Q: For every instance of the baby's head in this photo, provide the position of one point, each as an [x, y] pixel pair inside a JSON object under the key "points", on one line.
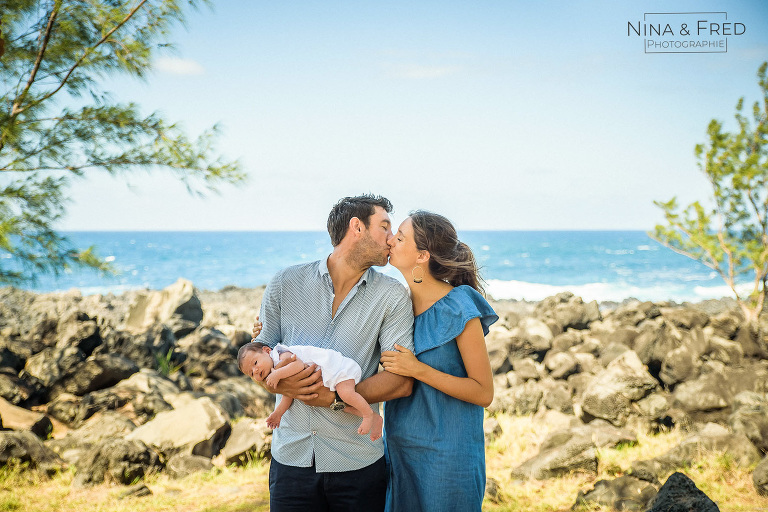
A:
{"points": [[254, 360]]}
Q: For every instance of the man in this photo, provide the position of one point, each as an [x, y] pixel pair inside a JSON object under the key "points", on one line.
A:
{"points": [[319, 461]]}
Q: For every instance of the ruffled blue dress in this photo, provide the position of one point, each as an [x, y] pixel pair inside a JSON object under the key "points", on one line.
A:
{"points": [[435, 443]]}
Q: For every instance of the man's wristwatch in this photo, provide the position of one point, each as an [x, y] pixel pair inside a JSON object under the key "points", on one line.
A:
{"points": [[338, 404]]}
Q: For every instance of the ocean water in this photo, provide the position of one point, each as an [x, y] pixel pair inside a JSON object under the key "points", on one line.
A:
{"points": [[530, 265]]}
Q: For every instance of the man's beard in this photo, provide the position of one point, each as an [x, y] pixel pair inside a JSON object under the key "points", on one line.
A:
{"points": [[369, 254]]}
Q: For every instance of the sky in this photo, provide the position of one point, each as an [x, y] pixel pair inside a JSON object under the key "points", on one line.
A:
{"points": [[501, 115]]}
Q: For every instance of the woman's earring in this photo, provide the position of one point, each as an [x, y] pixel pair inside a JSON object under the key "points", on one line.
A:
{"points": [[421, 276]]}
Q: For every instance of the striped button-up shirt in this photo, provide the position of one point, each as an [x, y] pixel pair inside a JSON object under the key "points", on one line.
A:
{"points": [[374, 316]]}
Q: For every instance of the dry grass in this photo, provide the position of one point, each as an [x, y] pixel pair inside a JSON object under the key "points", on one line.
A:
{"points": [[244, 489]]}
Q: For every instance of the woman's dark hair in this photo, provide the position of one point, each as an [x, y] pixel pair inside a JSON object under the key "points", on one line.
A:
{"points": [[253, 346], [450, 260], [361, 207]]}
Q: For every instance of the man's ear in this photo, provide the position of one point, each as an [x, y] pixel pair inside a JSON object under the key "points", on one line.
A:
{"points": [[355, 225]]}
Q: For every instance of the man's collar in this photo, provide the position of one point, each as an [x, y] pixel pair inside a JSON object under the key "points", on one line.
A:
{"points": [[323, 270]]}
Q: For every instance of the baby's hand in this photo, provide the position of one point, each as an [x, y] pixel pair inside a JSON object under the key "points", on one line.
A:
{"points": [[257, 327], [272, 380]]}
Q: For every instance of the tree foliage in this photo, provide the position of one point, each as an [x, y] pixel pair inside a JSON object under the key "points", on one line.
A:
{"points": [[57, 123], [730, 233]]}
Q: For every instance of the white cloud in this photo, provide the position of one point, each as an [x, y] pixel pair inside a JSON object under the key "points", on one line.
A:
{"points": [[176, 66]]}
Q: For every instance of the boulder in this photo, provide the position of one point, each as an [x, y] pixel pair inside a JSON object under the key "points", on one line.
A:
{"points": [[250, 439], [706, 393], [725, 351], [560, 456], [760, 477], [200, 428], [561, 364], [610, 394], [18, 391], [17, 418], [685, 317], [54, 364], [526, 369], [80, 331], [497, 343], [530, 338], [146, 349], [750, 417], [568, 311], [95, 373], [680, 494], [623, 493], [122, 461], [100, 427], [211, 355], [178, 300], [712, 438], [184, 464], [26, 447], [679, 364]]}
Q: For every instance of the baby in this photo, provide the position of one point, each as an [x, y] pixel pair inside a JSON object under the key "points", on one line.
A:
{"points": [[340, 374]]}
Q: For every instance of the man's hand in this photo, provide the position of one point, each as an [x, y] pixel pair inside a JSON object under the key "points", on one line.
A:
{"points": [[305, 385]]}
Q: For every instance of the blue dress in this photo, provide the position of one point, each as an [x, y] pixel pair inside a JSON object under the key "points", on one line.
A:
{"points": [[435, 443]]}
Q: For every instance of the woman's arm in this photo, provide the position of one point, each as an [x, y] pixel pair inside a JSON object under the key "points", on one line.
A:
{"points": [[475, 388]]}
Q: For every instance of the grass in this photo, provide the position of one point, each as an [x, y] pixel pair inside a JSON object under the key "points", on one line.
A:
{"points": [[241, 489]]}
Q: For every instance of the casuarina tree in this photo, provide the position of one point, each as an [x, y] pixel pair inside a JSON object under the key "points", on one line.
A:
{"points": [[59, 124], [729, 232]]}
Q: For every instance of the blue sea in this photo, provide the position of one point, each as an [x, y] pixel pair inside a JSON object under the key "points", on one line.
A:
{"points": [[530, 265]]}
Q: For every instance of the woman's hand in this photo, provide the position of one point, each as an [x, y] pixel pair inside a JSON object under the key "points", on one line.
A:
{"points": [[256, 328], [402, 362]]}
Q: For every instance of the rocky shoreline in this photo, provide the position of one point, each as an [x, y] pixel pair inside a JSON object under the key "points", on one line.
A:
{"points": [[122, 385]]}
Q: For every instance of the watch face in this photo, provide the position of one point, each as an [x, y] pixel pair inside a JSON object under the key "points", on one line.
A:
{"points": [[337, 406]]}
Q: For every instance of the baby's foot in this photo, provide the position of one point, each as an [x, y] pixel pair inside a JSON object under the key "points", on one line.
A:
{"points": [[377, 427], [372, 424], [273, 420]]}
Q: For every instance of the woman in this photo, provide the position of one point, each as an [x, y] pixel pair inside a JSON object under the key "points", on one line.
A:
{"points": [[435, 441]]}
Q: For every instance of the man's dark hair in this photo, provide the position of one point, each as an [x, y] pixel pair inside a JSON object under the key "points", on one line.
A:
{"points": [[361, 207]]}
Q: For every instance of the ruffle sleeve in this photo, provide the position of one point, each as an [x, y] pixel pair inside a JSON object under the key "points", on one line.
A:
{"points": [[448, 317]]}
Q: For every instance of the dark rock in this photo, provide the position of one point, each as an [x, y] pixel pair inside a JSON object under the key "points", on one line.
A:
{"points": [[250, 439], [116, 460], [26, 447], [97, 372], [708, 392], [713, 438], [687, 318], [566, 340], [623, 493], [558, 398], [610, 394], [760, 477], [16, 390], [558, 458], [183, 464], [751, 419], [54, 364], [561, 364], [611, 351], [135, 491], [680, 494], [526, 369], [145, 349], [79, 331], [568, 311], [18, 418], [211, 355]]}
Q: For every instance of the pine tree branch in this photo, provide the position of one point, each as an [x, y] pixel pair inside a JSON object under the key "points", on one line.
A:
{"points": [[88, 51]]}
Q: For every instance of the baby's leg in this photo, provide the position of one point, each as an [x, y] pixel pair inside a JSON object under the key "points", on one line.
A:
{"points": [[372, 422], [273, 420]]}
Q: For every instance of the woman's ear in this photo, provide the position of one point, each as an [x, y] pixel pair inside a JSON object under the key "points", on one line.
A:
{"points": [[423, 257]]}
